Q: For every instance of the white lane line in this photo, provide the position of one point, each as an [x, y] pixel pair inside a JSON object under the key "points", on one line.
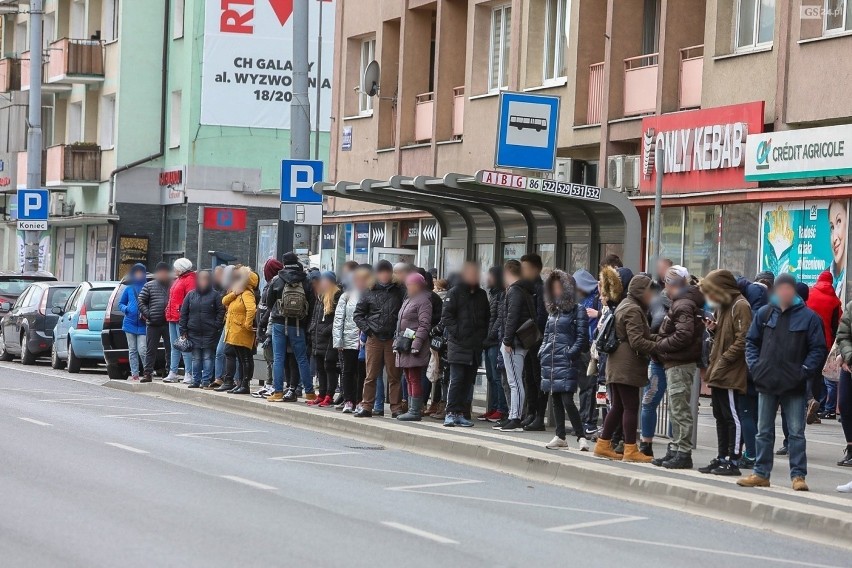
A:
{"points": [[248, 482], [83, 399], [34, 421], [421, 533], [204, 434], [430, 485], [126, 448], [140, 414], [590, 524], [711, 551], [323, 455]]}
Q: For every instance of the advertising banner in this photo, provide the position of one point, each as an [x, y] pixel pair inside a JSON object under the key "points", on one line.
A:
{"points": [[247, 75], [798, 154], [805, 238]]}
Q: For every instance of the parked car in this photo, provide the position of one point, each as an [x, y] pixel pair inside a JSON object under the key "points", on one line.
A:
{"points": [[115, 342], [78, 332], [12, 284], [26, 331]]}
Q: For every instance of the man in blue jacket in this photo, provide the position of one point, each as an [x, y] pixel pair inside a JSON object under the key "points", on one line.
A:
{"points": [[134, 324], [785, 347]]}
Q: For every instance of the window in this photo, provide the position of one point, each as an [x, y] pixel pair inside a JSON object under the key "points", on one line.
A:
{"points": [[107, 122], [837, 16], [48, 29], [21, 43], [78, 19], [755, 23], [740, 240], [700, 243], [75, 123], [368, 54], [671, 234], [174, 119], [498, 58], [555, 38], [109, 25], [175, 233], [177, 19]]}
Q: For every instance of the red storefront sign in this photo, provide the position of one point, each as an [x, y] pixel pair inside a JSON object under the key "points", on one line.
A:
{"points": [[704, 149], [172, 177], [224, 219]]}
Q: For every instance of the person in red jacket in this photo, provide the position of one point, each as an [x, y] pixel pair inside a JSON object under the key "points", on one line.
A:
{"points": [[824, 301], [183, 284]]}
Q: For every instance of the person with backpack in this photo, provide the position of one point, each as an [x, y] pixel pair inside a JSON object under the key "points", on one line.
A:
{"points": [[325, 355], [376, 316], [134, 323], [346, 338], [566, 338], [184, 284], [152, 308], [726, 369], [519, 310], [240, 335], [289, 303], [201, 320]]}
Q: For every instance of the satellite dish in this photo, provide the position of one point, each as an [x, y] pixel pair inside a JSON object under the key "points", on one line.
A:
{"points": [[371, 79]]}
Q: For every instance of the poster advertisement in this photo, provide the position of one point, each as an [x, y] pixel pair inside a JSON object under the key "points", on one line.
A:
{"points": [[131, 249], [805, 238], [247, 74], [44, 260]]}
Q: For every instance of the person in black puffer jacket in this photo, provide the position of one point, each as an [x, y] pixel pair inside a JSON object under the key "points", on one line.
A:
{"points": [[497, 407], [320, 331], [518, 307], [152, 307], [376, 315], [536, 401], [566, 336], [202, 316]]}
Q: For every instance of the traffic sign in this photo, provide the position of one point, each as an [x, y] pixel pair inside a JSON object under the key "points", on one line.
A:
{"points": [[526, 134], [302, 213], [32, 225], [297, 181], [33, 204]]}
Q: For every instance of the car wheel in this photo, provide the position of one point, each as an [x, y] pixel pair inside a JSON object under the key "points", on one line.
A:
{"points": [[27, 357], [4, 355], [74, 363], [116, 373], [55, 361]]}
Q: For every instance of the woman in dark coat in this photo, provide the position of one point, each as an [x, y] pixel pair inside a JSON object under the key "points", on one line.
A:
{"points": [[201, 320], [415, 317], [566, 336], [326, 357]]}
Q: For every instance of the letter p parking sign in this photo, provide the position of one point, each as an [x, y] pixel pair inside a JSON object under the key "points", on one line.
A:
{"points": [[297, 180]]}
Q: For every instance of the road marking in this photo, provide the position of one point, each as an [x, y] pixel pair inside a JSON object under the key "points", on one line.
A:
{"points": [[421, 533], [204, 434], [126, 448], [83, 399], [139, 414], [428, 485], [248, 482], [711, 551], [590, 524], [328, 454], [34, 421]]}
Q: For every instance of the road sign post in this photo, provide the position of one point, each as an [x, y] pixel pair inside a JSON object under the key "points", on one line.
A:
{"points": [[300, 204], [527, 131]]}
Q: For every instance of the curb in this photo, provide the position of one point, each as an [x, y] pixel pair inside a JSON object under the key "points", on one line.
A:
{"points": [[745, 507]]}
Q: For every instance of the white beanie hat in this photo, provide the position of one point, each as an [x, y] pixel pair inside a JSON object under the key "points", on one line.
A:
{"points": [[183, 265]]}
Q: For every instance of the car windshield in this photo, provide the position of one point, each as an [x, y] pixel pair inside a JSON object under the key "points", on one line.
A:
{"points": [[56, 297], [12, 288], [97, 300]]}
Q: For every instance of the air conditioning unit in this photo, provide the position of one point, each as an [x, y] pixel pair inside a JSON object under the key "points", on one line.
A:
{"points": [[622, 173], [632, 171], [563, 170], [57, 204]]}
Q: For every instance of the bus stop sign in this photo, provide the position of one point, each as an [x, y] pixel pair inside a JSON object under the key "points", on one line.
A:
{"points": [[527, 131]]}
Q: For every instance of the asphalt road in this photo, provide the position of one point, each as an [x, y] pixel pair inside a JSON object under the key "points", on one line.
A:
{"points": [[95, 477]]}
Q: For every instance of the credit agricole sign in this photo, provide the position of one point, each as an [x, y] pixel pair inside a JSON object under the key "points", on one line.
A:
{"points": [[799, 154]]}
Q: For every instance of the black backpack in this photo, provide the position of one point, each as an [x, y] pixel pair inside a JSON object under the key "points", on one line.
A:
{"points": [[606, 340]]}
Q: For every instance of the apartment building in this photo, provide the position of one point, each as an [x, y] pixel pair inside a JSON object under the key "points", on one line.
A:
{"points": [[701, 78], [158, 142]]}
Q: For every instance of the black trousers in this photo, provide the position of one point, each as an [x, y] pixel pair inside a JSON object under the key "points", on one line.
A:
{"points": [[352, 377], [238, 355], [327, 372], [153, 334], [726, 411], [462, 378], [564, 403], [588, 392], [532, 383]]}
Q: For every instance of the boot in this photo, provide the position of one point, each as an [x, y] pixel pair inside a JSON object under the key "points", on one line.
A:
{"points": [[441, 412], [671, 451], [681, 460], [647, 448], [536, 425], [603, 449], [633, 455], [414, 409], [433, 408], [238, 384], [227, 385], [243, 387]]}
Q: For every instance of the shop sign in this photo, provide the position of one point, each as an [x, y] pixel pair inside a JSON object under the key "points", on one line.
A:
{"points": [[329, 237], [797, 154], [704, 149], [409, 231], [805, 238], [553, 187], [362, 238], [131, 249], [172, 186], [225, 219]]}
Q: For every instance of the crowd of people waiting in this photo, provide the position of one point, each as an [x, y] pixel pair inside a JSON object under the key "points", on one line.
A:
{"points": [[620, 342]]}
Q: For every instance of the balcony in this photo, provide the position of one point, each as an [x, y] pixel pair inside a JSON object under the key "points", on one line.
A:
{"points": [[594, 110], [68, 62], [424, 111], [73, 164], [458, 113], [640, 84], [691, 73], [10, 75], [21, 169]]}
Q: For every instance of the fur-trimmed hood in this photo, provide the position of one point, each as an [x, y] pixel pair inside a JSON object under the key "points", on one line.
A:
{"points": [[611, 287], [568, 299]]}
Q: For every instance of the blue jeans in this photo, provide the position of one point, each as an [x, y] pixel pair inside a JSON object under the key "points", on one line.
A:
{"points": [[496, 394], [379, 405], [651, 398], [136, 349], [748, 421], [281, 335], [174, 333], [793, 406], [219, 368], [202, 371], [828, 403]]}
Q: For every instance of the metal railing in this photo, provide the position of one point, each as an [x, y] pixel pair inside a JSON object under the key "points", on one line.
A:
{"points": [[458, 112], [640, 84], [594, 111], [424, 112], [691, 73]]}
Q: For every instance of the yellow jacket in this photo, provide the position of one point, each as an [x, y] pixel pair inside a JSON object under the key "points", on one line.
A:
{"points": [[241, 308]]}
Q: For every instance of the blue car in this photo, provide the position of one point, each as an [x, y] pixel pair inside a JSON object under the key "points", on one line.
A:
{"points": [[77, 335]]}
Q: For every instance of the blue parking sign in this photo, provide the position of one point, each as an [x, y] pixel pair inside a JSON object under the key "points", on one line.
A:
{"points": [[297, 181], [527, 131], [33, 204]]}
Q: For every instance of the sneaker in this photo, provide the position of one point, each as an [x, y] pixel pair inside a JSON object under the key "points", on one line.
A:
{"points": [[487, 416], [146, 378], [513, 425], [325, 402], [557, 443], [782, 451], [275, 397], [260, 393], [290, 396], [746, 463], [799, 484], [187, 380], [753, 480], [828, 415], [847, 458], [813, 410], [315, 401], [716, 462], [584, 444], [497, 417], [134, 378], [499, 425], [460, 420], [845, 488], [348, 408], [529, 419], [362, 412], [171, 378], [449, 420], [193, 386], [536, 425], [726, 468], [311, 396]]}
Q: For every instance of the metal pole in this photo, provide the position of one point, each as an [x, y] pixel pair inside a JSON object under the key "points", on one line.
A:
{"points": [[659, 164], [34, 134], [199, 251], [319, 86]]}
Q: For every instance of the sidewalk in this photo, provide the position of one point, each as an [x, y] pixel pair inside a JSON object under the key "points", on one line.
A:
{"points": [[822, 515]]}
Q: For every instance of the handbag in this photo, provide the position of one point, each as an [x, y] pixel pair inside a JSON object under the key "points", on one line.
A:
{"points": [[528, 334], [183, 344], [833, 366], [402, 344]]}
